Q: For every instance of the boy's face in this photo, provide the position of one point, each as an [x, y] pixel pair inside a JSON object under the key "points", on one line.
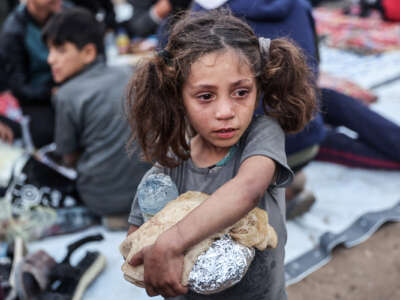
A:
{"points": [[46, 6], [67, 60]]}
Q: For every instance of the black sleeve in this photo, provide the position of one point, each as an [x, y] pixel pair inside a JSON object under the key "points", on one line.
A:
{"points": [[16, 68]]}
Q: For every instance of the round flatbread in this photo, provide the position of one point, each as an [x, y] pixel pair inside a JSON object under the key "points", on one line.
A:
{"points": [[252, 230]]}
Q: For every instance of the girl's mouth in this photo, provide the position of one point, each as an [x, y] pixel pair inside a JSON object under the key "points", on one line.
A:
{"points": [[225, 133]]}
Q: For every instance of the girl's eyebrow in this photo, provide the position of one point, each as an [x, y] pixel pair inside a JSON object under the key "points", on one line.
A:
{"points": [[203, 86], [241, 81], [210, 86]]}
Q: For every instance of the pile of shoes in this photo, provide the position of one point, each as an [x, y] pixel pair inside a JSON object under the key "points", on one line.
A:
{"points": [[37, 276]]}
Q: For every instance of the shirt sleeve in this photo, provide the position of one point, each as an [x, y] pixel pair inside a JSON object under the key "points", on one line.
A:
{"points": [[265, 137], [135, 216], [67, 127]]}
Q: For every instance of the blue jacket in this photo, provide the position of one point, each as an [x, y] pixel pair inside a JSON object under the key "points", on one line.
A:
{"points": [[292, 19]]}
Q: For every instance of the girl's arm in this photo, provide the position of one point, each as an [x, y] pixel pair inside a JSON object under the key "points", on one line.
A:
{"points": [[228, 204], [163, 261]]}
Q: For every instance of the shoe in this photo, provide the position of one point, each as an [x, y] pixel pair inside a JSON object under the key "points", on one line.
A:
{"points": [[300, 204], [71, 282], [40, 277], [33, 274]]}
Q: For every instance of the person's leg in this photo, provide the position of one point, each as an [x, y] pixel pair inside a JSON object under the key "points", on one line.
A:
{"points": [[342, 149], [298, 199], [41, 124], [374, 131]]}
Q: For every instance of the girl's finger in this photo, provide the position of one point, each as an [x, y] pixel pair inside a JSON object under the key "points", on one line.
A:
{"points": [[151, 291], [180, 289], [174, 291], [168, 292], [137, 259]]}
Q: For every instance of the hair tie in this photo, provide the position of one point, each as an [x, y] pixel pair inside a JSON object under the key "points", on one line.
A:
{"points": [[264, 46], [165, 55]]}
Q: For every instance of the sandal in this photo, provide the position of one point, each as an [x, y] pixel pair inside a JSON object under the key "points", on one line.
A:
{"points": [[40, 277]]}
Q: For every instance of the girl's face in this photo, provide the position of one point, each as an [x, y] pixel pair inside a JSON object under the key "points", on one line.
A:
{"points": [[220, 97]]}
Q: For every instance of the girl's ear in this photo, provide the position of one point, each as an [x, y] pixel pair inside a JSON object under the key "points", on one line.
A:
{"points": [[89, 52]]}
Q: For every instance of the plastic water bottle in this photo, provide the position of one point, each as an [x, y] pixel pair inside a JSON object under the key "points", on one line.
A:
{"points": [[123, 41]]}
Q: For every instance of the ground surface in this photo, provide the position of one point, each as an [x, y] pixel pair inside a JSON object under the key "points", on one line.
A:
{"points": [[369, 271]]}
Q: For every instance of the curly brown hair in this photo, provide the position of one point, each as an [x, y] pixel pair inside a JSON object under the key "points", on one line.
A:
{"points": [[154, 103]]}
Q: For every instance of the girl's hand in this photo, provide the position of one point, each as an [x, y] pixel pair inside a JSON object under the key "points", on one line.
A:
{"points": [[163, 266]]}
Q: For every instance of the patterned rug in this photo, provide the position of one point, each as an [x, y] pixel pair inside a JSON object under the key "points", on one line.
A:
{"points": [[362, 35]]}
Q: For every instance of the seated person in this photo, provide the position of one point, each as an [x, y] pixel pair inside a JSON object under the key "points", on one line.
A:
{"points": [[389, 9], [91, 131], [26, 71], [148, 14]]}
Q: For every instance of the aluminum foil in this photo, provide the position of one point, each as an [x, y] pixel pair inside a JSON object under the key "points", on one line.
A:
{"points": [[223, 265]]}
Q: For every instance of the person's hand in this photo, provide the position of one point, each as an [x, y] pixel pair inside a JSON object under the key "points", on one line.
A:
{"points": [[162, 8], [163, 266], [6, 133]]}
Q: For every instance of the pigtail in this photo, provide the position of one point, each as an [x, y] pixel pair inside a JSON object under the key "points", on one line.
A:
{"points": [[288, 86], [156, 113]]}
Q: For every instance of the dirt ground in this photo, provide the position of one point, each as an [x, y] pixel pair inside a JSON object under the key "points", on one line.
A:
{"points": [[369, 271]]}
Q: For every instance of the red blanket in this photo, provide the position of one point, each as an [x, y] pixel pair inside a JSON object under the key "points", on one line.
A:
{"points": [[363, 35]]}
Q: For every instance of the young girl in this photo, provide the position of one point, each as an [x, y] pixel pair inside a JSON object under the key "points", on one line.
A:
{"points": [[192, 110]]}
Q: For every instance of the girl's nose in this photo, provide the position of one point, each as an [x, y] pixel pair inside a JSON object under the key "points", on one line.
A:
{"points": [[224, 109]]}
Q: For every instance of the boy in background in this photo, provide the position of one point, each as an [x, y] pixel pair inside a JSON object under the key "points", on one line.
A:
{"points": [[91, 131]]}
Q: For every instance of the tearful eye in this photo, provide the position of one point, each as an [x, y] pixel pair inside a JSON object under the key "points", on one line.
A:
{"points": [[241, 93], [205, 97]]}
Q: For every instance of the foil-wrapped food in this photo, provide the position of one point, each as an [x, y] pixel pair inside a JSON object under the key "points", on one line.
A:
{"points": [[229, 251], [223, 265]]}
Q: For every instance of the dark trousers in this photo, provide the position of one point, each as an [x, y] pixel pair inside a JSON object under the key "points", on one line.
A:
{"points": [[377, 145]]}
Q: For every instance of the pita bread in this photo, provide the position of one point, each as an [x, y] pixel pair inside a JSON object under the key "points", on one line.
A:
{"points": [[252, 230]]}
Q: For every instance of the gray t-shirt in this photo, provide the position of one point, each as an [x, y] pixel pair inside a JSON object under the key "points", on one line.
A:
{"points": [[265, 277], [90, 120]]}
